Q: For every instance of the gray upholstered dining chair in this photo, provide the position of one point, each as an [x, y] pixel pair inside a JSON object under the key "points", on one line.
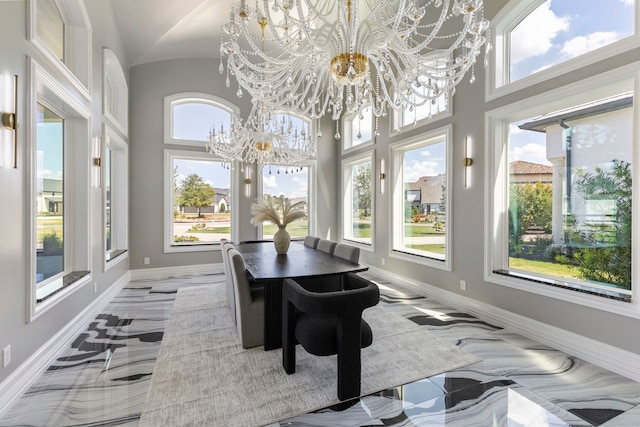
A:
{"points": [[327, 246], [249, 305], [347, 252], [311, 241], [225, 245], [327, 323]]}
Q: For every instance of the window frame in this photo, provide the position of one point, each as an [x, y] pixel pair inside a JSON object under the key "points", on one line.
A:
{"points": [[171, 101], [119, 163], [77, 64], [496, 183], [497, 73], [44, 89], [396, 229], [345, 218], [169, 156]]}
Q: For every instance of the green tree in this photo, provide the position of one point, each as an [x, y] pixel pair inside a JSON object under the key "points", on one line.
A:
{"points": [[607, 257], [195, 192], [362, 188], [530, 205]]}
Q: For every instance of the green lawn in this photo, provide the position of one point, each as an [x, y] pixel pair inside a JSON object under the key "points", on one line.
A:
{"points": [[295, 229], [47, 225], [417, 230], [436, 248], [544, 267]]}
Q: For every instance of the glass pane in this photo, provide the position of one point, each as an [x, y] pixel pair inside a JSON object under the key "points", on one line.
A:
{"points": [[293, 183], [424, 183], [201, 202], [108, 173], [49, 194], [570, 194], [193, 121], [50, 27], [559, 30], [362, 127], [361, 203]]}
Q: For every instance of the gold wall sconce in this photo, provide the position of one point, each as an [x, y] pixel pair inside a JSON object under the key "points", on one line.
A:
{"points": [[467, 161], [383, 175], [10, 121], [97, 161]]}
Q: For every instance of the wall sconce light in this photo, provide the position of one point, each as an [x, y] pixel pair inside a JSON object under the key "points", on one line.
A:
{"points": [[467, 161], [10, 121], [382, 176], [97, 161], [247, 181]]}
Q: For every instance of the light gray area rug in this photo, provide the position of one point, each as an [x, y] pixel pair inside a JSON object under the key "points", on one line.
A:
{"points": [[203, 377]]}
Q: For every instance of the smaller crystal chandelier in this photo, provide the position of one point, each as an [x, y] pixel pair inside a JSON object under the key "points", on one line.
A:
{"points": [[265, 138]]}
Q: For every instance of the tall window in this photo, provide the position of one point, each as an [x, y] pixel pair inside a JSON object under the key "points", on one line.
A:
{"points": [[198, 202], [115, 186], [50, 237], [59, 183], [358, 190], [421, 197], [291, 182], [567, 198]]}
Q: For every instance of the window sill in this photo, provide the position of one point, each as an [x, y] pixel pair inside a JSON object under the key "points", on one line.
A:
{"points": [[439, 263], [629, 308], [57, 286]]}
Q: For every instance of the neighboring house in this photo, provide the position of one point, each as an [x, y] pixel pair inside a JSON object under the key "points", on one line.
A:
{"points": [[586, 137], [49, 196], [522, 172], [426, 193]]}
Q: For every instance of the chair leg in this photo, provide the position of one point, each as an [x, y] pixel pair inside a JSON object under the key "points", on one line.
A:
{"points": [[349, 363], [288, 338]]}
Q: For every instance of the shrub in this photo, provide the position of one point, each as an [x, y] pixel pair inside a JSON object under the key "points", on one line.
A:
{"points": [[52, 244], [179, 239]]}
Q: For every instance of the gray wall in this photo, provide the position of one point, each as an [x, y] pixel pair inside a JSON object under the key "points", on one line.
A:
{"points": [[26, 338], [150, 83]]}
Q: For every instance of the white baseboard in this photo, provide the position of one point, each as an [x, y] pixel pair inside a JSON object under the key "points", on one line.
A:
{"points": [[615, 359], [16, 384], [179, 271]]}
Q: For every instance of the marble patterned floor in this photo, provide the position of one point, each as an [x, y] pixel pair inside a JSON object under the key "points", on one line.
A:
{"points": [[103, 378]]}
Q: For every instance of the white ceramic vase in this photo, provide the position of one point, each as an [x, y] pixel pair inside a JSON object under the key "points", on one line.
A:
{"points": [[281, 240]]}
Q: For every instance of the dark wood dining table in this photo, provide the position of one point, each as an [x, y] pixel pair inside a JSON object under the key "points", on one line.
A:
{"points": [[310, 267]]}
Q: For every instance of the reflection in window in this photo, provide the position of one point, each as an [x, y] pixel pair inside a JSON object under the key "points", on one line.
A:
{"points": [[200, 201], [50, 231], [358, 203], [570, 192], [559, 30], [291, 182]]}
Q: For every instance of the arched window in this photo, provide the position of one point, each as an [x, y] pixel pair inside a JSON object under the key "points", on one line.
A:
{"points": [[189, 117]]}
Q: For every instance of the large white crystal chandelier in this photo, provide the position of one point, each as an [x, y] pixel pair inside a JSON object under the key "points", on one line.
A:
{"points": [[341, 56], [266, 137]]}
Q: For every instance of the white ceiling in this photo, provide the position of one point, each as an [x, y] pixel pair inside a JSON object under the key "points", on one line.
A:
{"points": [[154, 30]]}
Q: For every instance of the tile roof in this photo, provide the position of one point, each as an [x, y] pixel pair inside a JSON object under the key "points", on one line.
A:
{"points": [[520, 167]]}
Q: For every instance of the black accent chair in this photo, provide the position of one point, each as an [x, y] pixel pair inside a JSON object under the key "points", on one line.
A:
{"points": [[329, 323]]}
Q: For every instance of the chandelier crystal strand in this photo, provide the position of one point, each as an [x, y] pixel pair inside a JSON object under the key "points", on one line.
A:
{"points": [[324, 56]]}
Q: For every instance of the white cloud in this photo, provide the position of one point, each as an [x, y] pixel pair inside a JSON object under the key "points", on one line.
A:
{"points": [[534, 36], [582, 44], [535, 153], [628, 2], [425, 153], [269, 182], [414, 170]]}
